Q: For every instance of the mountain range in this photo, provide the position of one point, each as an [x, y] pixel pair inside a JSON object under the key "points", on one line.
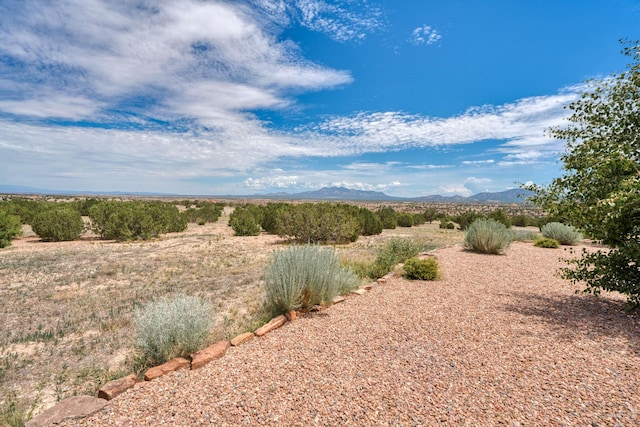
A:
{"points": [[515, 195]]}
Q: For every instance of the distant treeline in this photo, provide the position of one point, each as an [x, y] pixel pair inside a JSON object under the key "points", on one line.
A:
{"points": [[109, 219], [318, 222]]}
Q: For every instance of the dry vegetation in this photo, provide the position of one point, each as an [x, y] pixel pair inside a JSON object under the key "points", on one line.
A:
{"points": [[67, 307]]}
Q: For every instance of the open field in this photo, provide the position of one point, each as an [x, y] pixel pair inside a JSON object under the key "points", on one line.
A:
{"points": [[67, 306]]}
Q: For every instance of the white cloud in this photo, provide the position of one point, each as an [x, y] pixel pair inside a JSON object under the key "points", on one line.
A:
{"points": [[478, 162], [336, 19], [454, 189], [106, 52], [520, 124], [424, 35]]}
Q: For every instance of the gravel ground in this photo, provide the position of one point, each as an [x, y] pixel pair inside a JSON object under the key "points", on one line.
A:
{"points": [[500, 340]]}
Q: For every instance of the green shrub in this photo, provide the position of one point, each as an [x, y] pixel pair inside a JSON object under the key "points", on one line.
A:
{"points": [[135, 220], [501, 216], [421, 269], [388, 216], [405, 220], [523, 221], [447, 225], [397, 250], [487, 236], [418, 219], [15, 412], [172, 327], [205, 212], [10, 228], [244, 223], [430, 214], [58, 223], [370, 223], [319, 223], [545, 242], [300, 277], [465, 219], [564, 234]]}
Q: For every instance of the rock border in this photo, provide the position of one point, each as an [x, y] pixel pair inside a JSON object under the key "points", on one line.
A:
{"points": [[84, 406]]}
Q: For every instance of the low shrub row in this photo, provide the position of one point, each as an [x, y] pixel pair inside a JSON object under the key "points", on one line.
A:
{"points": [[492, 237], [135, 220]]}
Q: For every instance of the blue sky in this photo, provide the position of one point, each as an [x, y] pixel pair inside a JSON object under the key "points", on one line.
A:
{"points": [[410, 97]]}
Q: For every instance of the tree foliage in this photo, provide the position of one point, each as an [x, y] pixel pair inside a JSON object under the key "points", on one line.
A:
{"points": [[319, 223], [599, 192], [133, 220], [58, 223], [10, 228]]}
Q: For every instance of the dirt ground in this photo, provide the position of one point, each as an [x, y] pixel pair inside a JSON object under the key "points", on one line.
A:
{"points": [[67, 307]]}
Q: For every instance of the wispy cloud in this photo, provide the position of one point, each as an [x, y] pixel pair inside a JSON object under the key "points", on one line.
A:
{"points": [[337, 19], [424, 35], [101, 54], [520, 125]]}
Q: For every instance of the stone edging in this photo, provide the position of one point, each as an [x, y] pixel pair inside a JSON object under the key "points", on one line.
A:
{"points": [[83, 406]]}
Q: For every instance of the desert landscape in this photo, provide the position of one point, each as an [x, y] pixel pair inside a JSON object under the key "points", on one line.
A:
{"points": [[67, 306]]}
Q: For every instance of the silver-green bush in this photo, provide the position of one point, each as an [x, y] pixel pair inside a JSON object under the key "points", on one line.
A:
{"points": [[564, 234], [487, 236], [302, 276], [172, 327]]}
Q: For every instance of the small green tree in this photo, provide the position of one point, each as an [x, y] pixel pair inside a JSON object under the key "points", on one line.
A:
{"points": [[10, 228], [244, 223], [501, 216], [466, 218], [599, 192], [58, 223], [405, 220], [388, 216], [430, 214], [370, 223]]}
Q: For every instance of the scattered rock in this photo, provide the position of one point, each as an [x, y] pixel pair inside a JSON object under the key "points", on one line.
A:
{"points": [[242, 338], [369, 286], [359, 291], [204, 356], [275, 323], [172, 365], [382, 280], [291, 316], [113, 388], [338, 299], [69, 409]]}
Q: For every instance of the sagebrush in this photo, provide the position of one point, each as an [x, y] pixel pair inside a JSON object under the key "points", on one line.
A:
{"points": [[172, 327], [300, 277], [487, 236], [564, 234]]}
